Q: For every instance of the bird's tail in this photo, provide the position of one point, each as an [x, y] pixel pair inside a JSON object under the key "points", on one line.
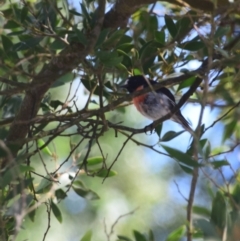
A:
{"points": [[179, 118]]}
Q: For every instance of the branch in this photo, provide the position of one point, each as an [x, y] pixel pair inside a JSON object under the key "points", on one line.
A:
{"points": [[68, 59]]}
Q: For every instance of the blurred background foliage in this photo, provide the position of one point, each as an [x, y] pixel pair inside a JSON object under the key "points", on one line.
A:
{"points": [[80, 172]]}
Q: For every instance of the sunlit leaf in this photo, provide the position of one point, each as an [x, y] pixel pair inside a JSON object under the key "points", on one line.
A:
{"points": [[87, 236], [186, 83], [94, 160], [106, 173], [160, 37], [137, 72], [177, 234], [46, 149]]}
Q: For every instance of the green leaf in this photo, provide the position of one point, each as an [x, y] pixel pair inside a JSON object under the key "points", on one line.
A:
{"points": [[158, 129], [109, 58], [186, 169], [127, 47], [207, 150], [102, 36], [181, 157], [25, 168], [7, 43], [114, 38], [186, 83], [217, 164], [138, 236], [170, 135], [24, 13], [75, 13], [56, 211], [121, 237], [207, 228], [85, 193], [44, 186], [160, 37], [229, 129], [177, 234], [11, 24], [203, 211], [9, 175], [170, 26], [184, 24], [32, 214], [94, 160], [219, 211], [87, 236], [46, 150], [221, 32], [64, 79], [106, 173], [27, 43], [137, 72], [151, 236], [57, 44], [236, 195], [192, 45], [60, 194], [125, 39], [126, 61], [81, 37]]}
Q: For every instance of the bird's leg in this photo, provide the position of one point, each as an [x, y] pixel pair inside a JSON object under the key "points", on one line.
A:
{"points": [[149, 128]]}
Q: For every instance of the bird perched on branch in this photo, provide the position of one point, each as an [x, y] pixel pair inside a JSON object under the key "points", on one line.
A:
{"points": [[156, 103]]}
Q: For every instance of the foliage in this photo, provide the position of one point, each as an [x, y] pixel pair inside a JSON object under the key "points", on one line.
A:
{"points": [[46, 45]]}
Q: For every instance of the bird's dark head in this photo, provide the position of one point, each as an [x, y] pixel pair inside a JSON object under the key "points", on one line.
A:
{"points": [[134, 82]]}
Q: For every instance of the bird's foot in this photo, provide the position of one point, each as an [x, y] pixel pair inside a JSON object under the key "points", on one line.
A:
{"points": [[149, 128]]}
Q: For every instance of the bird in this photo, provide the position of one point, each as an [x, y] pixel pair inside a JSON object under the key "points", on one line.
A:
{"points": [[154, 104]]}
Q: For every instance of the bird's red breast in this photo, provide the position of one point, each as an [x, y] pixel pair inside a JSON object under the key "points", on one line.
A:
{"points": [[139, 99]]}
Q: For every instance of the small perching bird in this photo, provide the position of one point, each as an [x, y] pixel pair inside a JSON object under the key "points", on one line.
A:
{"points": [[154, 104]]}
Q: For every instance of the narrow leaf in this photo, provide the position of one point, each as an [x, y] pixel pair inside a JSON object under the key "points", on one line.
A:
{"points": [[94, 160], [217, 164], [181, 157], [171, 26], [106, 173], [56, 211], [170, 135], [45, 150]]}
